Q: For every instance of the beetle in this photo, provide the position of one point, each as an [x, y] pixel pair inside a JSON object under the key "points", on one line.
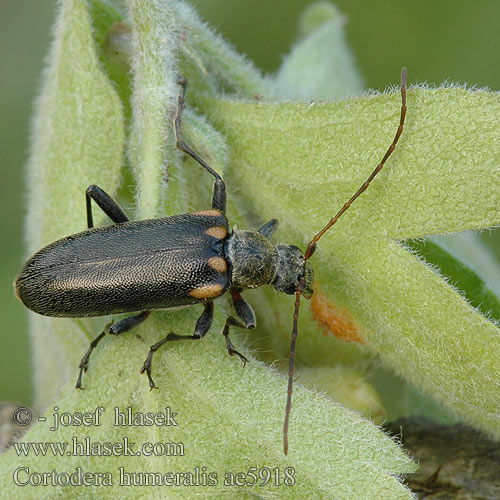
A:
{"points": [[173, 261]]}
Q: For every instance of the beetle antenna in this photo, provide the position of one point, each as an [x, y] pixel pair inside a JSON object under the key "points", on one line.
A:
{"points": [[311, 247], [290, 366], [312, 244]]}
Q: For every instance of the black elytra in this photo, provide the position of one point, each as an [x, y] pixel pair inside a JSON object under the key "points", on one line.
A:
{"points": [[168, 262]]}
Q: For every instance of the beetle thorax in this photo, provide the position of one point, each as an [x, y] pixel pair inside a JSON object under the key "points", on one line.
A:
{"points": [[252, 257]]}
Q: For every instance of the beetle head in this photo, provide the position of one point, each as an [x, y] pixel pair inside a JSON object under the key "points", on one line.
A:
{"points": [[291, 267]]}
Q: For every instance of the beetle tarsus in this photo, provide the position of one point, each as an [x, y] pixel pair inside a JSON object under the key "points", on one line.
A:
{"points": [[78, 384], [122, 326], [230, 321], [233, 351], [202, 326], [84, 363], [146, 367]]}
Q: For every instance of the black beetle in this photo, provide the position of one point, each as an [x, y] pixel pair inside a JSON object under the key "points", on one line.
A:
{"points": [[169, 262]]}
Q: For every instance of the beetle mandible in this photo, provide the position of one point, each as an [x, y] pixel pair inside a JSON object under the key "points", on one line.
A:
{"points": [[174, 261]]}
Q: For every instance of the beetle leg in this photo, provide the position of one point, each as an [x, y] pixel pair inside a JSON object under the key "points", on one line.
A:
{"points": [[127, 324], [106, 204], [122, 326], [243, 310], [269, 228], [202, 326], [219, 194], [245, 313], [230, 321], [84, 363]]}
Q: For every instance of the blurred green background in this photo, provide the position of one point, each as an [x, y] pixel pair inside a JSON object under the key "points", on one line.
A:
{"points": [[453, 40]]}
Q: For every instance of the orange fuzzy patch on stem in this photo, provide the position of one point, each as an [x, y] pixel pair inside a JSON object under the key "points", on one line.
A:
{"points": [[331, 319]]}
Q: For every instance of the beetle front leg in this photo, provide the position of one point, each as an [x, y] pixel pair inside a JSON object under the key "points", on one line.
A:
{"points": [[105, 203], [243, 310], [230, 321], [202, 326], [122, 326], [246, 314], [269, 228]]}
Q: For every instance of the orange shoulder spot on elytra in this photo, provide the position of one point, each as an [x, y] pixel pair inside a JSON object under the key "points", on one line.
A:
{"points": [[218, 264], [207, 291], [332, 319], [210, 212], [218, 232]]}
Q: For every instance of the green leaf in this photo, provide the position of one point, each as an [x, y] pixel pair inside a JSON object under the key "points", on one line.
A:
{"points": [[212, 64], [345, 385], [320, 65], [303, 162], [104, 15], [469, 248], [113, 42], [443, 177], [78, 139], [230, 418], [295, 161], [155, 90], [461, 277]]}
